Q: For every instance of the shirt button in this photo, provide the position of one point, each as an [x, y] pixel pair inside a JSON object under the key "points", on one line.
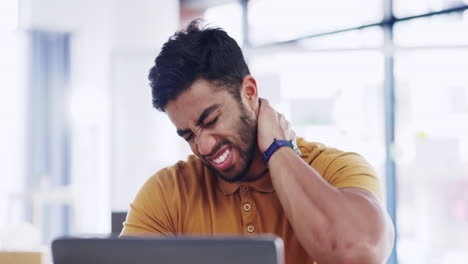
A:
{"points": [[245, 188], [250, 229], [247, 207]]}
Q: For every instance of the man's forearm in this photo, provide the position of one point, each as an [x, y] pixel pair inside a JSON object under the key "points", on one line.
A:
{"points": [[333, 225]]}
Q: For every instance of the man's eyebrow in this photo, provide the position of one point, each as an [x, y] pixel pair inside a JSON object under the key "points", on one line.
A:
{"points": [[206, 113], [203, 116], [181, 132]]}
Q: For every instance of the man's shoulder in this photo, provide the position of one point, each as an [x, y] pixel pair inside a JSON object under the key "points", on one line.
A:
{"points": [[319, 155], [312, 150], [189, 172]]}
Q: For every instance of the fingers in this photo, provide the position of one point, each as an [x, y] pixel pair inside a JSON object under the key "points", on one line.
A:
{"points": [[271, 125], [264, 105], [263, 100], [286, 124]]}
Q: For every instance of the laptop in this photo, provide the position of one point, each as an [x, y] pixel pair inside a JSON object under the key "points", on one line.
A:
{"points": [[178, 250]]}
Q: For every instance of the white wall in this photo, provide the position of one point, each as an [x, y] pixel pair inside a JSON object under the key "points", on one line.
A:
{"points": [[113, 45], [12, 116], [90, 23], [143, 140]]}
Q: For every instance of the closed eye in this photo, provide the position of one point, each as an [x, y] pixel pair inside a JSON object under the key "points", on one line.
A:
{"points": [[189, 137], [190, 134], [212, 122]]}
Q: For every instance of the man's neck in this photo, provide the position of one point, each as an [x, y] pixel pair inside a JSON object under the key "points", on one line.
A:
{"points": [[258, 168]]}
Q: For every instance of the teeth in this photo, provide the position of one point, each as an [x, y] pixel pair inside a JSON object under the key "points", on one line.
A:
{"points": [[222, 158]]}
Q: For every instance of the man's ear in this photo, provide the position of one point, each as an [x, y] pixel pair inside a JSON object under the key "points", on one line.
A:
{"points": [[249, 92]]}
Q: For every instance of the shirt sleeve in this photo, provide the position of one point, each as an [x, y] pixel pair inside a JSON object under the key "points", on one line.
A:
{"points": [[349, 169], [149, 212]]}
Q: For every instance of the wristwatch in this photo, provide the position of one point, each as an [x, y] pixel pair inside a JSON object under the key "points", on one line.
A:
{"points": [[275, 146]]}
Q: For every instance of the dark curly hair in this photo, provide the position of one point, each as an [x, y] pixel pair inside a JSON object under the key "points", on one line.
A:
{"points": [[193, 53]]}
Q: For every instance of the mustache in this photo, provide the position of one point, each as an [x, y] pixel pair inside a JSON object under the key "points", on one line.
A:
{"points": [[217, 148]]}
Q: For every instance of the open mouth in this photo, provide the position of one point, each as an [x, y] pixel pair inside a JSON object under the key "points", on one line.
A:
{"points": [[223, 159]]}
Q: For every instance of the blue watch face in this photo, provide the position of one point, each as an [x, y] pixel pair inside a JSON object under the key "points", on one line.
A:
{"points": [[284, 143]]}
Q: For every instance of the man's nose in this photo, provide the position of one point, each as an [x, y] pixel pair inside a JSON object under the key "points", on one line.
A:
{"points": [[205, 143]]}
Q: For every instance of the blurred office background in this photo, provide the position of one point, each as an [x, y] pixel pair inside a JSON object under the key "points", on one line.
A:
{"points": [[385, 78]]}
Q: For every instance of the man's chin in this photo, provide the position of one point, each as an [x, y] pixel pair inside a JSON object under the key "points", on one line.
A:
{"points": [[229, 178], [229, 175]]}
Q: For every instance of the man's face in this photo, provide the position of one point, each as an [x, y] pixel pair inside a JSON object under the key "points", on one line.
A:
{"points": [[221, 131]]}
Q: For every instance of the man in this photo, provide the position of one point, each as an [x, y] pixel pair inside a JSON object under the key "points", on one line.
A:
{"points": [[246, 178]]}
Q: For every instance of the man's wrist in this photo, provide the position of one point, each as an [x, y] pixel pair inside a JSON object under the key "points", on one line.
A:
{"points": [[276, 146], [280, 153]]}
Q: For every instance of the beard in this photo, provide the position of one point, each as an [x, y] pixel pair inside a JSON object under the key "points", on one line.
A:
{"points": [[248, 134]]}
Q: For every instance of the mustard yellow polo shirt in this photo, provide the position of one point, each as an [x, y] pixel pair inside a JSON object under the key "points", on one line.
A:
{"points": [[188, 198]]}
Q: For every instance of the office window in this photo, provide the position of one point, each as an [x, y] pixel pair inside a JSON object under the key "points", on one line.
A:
{"points": [[367, 38], [431, 142], [331, 87], [404, 8], [48, 143], [330, 97], [447, 30], [227, 16], [275, 20]]}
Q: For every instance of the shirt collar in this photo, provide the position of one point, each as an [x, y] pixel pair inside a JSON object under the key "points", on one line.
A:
{"points": [[263, 184]]}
